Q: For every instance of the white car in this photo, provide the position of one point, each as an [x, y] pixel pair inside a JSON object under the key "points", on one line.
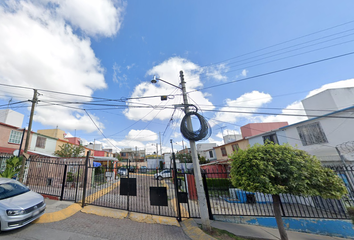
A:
{"points": [[18, 204], [163, 174]]}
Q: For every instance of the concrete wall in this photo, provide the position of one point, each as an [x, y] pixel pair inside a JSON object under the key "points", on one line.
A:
{"points": [[338, 131], [281, 135], [5, 132], [49, 148], [243, 144], [253, 129], [11, 117], [55, 133], [328, 227], [331, 100]]}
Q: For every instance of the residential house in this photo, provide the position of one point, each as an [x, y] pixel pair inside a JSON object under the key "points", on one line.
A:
{"points": [[133, 155], [329, 136], [44, 145], [207, 150]]}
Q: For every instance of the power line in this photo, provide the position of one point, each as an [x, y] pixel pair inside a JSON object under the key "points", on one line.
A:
{"points": [[273, 72]]}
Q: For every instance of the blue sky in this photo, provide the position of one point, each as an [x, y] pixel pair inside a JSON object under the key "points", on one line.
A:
{"points": [[108, 51]]}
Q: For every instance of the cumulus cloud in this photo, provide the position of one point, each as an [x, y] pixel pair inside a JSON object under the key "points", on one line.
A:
{"points": [[248, 102], [216, 72], [168, 71], [38, 49], [94, 17], [296, 109], [226, 132]]}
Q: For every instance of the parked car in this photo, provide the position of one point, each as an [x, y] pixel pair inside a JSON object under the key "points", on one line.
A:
{"points": [[143, 169], [163, 174], [122, 172], [18, 204], [131, 169]]}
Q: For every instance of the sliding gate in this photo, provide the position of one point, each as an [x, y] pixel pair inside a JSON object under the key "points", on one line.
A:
{"points": [[144, 190]]}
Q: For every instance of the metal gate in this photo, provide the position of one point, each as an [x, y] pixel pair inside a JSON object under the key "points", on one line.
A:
{"points": [[56, 177]]}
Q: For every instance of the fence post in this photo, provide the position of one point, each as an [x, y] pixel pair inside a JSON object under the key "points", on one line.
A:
{"points": [[63, 184], [207, 196], [85, 179], [179, 217]]}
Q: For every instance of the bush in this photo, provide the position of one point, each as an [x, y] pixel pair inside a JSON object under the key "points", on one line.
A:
{"points": [[218, 183]]}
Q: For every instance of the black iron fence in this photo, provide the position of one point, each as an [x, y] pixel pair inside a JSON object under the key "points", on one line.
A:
{"points": [[164, 193], [144, 190], [228, 200], [58, 177]]}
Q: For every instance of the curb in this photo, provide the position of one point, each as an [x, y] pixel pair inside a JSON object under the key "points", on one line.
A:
{"points": [[59, 215], [192, 230]]}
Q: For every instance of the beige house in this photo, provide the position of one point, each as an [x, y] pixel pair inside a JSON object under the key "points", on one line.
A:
{"points": [[224, 151]]}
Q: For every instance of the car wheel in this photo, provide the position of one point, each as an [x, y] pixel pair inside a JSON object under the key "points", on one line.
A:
{"points": [[159, 178]]}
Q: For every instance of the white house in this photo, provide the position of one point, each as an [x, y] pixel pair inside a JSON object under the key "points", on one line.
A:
{"points": [[329, 136], [42, 144]]}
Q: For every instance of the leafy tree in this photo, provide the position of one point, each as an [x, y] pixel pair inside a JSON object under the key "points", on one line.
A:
{"points": [[202, 159], [70, 150], [184, 157], [280, 169], [119, 157], [13, 167]]}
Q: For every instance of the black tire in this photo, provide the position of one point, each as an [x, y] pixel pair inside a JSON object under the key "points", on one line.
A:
{"points": [[159, 178]]}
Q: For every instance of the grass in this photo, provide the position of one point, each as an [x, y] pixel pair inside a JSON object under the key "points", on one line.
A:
{"points": [[224, 235]]}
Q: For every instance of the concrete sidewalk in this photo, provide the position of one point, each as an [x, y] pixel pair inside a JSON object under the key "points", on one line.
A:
{"points": [[258, 232], [60, 210]]}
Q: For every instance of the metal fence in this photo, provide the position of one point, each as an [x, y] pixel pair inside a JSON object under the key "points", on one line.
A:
{"points": [[227, 200], [138, 191], [3, 158], [57, 177]]}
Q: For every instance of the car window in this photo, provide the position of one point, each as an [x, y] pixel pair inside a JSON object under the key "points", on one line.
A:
{"points": [[12, 189]]}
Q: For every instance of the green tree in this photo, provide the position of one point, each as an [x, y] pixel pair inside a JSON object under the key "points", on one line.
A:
{"points": [[183, 157], [70, 150], [13, 167], [281, 169], [202, 159]]}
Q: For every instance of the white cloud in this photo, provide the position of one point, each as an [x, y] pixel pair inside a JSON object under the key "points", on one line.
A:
{"points": [[94, 17], [39, 50], [244, 73], [142, 135], [226, 132], [130, 66], [295, 108], [168, 71], [216, 72], [234, 108]]}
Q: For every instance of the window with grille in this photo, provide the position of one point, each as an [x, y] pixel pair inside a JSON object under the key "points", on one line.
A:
{"points": [[235, 147], [15, 137], [271, 137], [223, 151], [311, 134], [211, 154], [40, 143]]}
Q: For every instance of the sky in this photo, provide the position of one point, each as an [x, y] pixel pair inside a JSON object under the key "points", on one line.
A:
{"points": [[92, 62]]}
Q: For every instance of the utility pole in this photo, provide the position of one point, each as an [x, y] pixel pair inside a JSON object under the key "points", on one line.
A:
{"points": [[34, 101], [197, 174]]}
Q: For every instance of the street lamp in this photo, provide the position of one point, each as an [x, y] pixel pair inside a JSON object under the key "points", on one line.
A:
{"points": [[204, 214]]}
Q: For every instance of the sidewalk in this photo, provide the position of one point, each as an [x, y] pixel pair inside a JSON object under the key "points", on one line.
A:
{"points": [[258, 232], [60, 210]]}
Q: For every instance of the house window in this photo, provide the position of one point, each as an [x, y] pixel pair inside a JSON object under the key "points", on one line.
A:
{"points": [[40, 143], [223, 151], [272, 138], [312, 134], [235, 147], [123, 154], [211, 155], [15, 137]]}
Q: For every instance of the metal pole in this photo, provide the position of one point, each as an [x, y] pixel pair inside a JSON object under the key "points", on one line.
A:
{"points": [[203, 208], [179, 217], [63, 183], [85, 178], [23, 135], [34, 101]]}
